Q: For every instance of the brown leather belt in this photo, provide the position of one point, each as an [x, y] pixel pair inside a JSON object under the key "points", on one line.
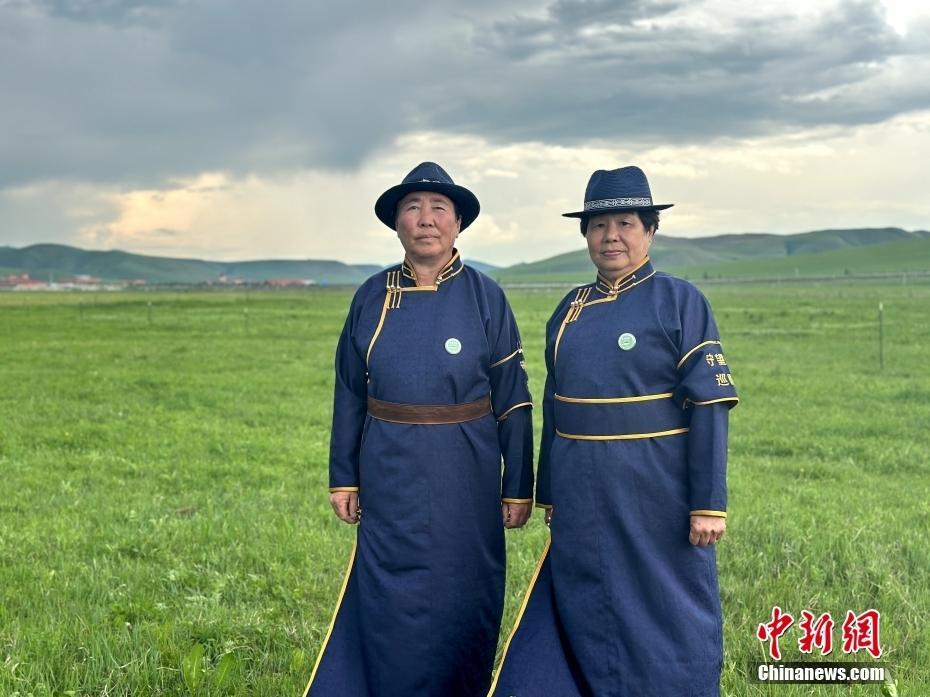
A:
{"points": [[429, 413]]}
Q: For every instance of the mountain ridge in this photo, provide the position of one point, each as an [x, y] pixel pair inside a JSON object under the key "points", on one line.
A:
{"points": [[680, 253], [684, 255]]}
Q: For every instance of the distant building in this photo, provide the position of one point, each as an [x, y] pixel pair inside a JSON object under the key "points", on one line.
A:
{"points": [[81, 280], [14, 279], [21, 281], [224, 280]]}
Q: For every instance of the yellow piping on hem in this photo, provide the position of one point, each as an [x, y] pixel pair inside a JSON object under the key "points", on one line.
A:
{"points": [[440, 279], [546, 506], [515, 406], [608, 299], [558, 340], [612, 400], [624, 436], [716, 514], [332, 624], [714, 401], [570, 315], [504, 360], [451, 262], [516, 500], [574, 311], [516, 625], [412, 275], [615, 294], [620, 281], [334, 489], [688, 355], [388, 296]]}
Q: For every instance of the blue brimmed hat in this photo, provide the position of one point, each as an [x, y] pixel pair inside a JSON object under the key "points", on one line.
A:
{"points": [[610, 191], [428, 176]]}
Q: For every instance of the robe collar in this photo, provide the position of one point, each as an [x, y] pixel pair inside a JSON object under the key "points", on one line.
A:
{"points": [[640, 273], [448, 271]]}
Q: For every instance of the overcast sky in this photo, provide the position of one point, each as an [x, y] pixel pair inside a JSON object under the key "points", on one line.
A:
{"points": [[226, 129]]}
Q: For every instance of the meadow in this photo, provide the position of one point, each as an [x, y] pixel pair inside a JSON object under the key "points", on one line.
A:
{"points": [[164, 521]]}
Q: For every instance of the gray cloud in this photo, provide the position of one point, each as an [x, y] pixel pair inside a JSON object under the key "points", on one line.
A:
{"points": [[108, 11], [140, 92], [612, 78]]}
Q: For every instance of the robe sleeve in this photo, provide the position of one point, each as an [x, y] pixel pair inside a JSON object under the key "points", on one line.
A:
{"points": [[512, 405], [543, 478], [350, 407], [707, 459], [706, 389]]}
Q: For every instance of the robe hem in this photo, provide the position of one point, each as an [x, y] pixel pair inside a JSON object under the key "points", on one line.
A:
{"points": [[332, 624], [516, 625]]}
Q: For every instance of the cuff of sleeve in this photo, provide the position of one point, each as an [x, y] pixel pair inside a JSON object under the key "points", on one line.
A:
{"points": [[334, 489], [506, 500], [716, 514], [547, 506]]}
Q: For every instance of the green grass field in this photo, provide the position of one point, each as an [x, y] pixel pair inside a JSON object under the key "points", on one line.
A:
{"points": [[164, 522]]}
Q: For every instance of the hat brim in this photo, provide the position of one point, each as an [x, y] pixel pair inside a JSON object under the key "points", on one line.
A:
{"points": [[618, 209], [466, 203]]}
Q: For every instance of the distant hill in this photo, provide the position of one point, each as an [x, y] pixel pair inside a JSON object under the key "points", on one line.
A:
{"points": [[44, 261], [481, 266], [716, 255], [906, 255], [724, 256]]}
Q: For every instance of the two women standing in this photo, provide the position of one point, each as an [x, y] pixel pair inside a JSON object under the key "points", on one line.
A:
{"points": [[631, 472]]}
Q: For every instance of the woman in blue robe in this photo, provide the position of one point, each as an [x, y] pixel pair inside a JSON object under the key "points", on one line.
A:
{"points": [[632, 471], [430, 394]]}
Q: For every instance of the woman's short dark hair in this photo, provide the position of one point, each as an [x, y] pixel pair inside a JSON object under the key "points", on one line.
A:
{"points": [[649, 217]]}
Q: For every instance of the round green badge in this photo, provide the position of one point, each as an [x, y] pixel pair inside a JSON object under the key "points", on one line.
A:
{"points": [[453, 345], [626, 341]]}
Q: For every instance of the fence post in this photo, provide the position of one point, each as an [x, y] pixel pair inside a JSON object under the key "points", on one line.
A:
{"points": [[881, 336]]}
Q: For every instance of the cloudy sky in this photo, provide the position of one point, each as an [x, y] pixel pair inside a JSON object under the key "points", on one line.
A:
{"points": [[228, 129]]}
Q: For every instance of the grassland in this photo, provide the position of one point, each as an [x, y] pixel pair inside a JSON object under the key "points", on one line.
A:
{"points": [[164, 527]]}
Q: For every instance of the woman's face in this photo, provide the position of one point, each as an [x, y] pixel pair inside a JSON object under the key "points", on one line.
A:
{"points": [[617, 243], [427, 226]]}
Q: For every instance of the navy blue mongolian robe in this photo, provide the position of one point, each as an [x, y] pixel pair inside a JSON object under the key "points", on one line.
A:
{"points": [[634, 443], [421, 606]]}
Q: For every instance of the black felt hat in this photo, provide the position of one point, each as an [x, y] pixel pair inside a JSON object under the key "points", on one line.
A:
{"points": [[624, 189], [428, 176]]}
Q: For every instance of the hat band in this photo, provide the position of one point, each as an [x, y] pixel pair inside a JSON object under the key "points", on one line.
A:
{"points": [[616, 203]]}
